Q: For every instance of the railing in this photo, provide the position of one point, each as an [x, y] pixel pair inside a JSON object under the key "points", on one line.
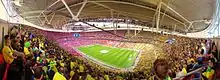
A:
{"points": [[190, 73]]}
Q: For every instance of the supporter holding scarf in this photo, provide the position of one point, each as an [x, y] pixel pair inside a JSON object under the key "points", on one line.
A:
{"points": [[27, 44], [210, 72]]}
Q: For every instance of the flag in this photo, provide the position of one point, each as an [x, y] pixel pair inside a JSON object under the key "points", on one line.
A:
{"points": [[209, 73], [62, 64], [58, 76], [184, 71], [168, 78], [89, 77], [106, 77], [72, 64]]}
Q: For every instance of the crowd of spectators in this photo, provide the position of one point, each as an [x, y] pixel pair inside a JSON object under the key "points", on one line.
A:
{"points": [[186, 55], [183, 55], [29, 55]]}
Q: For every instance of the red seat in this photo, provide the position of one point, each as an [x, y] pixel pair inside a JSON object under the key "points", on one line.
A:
{"points": [[1, 59], [6, 72]]}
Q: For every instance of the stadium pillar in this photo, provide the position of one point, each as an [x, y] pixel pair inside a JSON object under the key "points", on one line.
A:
{"points": [[113, 20], [158, 16], [116, 24], [135, 32], [218, 32], [128, 27], [140, 29], [174, 28], [116, 27]]}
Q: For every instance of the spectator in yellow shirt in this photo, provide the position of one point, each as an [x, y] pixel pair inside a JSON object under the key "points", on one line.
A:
{"points": [[7, 51], [26, 51], [10, 57]]}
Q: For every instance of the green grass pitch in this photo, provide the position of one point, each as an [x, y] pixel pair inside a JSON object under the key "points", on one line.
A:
{"points": [[111, 56]]}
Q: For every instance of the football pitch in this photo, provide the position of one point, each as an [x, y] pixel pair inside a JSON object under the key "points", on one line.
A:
{"points": [[110, 56]]}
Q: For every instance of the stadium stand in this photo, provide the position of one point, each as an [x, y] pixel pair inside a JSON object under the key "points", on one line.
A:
{"points": [[109, 40], [56, 59], [68, 40]]}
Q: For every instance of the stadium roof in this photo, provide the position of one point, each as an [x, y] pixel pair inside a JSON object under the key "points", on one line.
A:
{"points": [[182, 15]]}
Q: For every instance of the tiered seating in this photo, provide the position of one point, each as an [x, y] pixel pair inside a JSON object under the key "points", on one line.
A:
{"points": [[68, 41], [180, 56]]}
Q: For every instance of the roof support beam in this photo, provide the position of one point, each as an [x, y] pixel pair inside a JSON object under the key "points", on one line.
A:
{"points": [[43, 22], [51, 18], [71, 13], [33, 12], [71, 6], [45, 17], [52, 4], [28, 17], [81, 8], [175, 12], [199, 21], [102, 5], [121, 2], [161, 21], [65, 19], [139, 15], [117, 10], [46, 10], [190, 25], [38, 18], [145, 7]]}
